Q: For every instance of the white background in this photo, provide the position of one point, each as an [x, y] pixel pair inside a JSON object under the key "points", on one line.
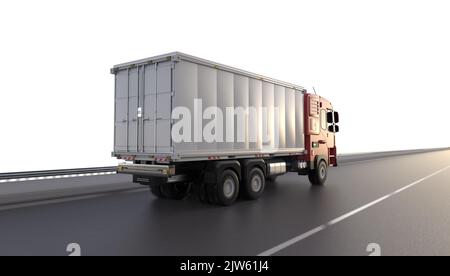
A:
{"points": [[385, 65]]}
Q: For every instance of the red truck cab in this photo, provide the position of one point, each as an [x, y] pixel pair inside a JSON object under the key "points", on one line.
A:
{"points": [[320, 141]]}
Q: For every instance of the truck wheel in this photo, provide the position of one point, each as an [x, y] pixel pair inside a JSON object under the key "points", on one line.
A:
{"points": [[318, 175], [254, 184], [155, 189], [200, 190], [226, 189], [177, 191]]}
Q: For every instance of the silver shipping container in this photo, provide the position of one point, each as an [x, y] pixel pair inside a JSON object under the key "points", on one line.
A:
{"points": [[148, 90]]}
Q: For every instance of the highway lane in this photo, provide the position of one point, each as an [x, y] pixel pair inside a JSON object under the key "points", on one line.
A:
{"points": [[414, 221]]}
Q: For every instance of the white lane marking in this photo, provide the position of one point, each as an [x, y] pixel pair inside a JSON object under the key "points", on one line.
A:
{"points": [[318, 229], [53, 177]]}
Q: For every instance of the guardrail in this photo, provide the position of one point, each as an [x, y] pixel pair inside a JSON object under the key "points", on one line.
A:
{"points": [[27, 192], [366, 156], [18, 175], [347, 158]]}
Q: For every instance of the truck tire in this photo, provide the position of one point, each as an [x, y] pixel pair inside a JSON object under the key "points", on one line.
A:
{"points": [[155, 189], [226, 190], [176, 191], [318, 176], [253, 186]]}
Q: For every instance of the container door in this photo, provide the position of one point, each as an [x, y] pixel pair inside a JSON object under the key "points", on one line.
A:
{"points": [[149, 109], [126, 121], [133, 101], [163, 107], [156, 108], [140, 109], [121, 112]]}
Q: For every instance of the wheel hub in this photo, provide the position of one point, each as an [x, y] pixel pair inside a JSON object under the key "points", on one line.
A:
{"points": [[322, 172], [228, 188], [256, 183]]}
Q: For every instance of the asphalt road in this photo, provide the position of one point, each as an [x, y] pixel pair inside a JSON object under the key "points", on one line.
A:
{"points": [[408, 214]]}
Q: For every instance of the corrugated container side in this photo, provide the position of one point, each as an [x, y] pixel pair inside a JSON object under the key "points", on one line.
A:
{"points": [[215, 87], [146, 93]]}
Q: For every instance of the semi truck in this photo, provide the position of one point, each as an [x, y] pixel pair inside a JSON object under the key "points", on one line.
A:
{"points": [[186, 125]]}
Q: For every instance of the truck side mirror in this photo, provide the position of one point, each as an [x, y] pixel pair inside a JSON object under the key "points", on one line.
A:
{"points": [[330, 117], [333, 128]]}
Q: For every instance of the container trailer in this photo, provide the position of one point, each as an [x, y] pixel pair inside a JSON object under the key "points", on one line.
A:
{"points": [[184, 124]]}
